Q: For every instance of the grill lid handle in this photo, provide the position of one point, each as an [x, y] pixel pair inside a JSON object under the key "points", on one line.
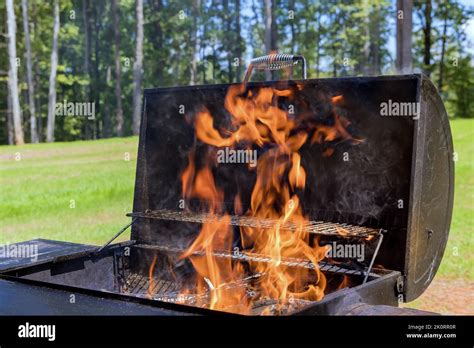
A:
{"points": [[275, 62]]}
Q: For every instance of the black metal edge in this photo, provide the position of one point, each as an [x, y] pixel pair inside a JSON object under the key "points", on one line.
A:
{"points": [[438, 103], [151, 91], [51, 258], [375, 292], [411, 290], [141, 184], [90, 253], [415, 189], [115, 296], [337, 296], [54, 241], [362, 291], [104, 294]]}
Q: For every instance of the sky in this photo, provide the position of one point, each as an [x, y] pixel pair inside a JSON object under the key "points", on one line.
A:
{"points": [[469, 27]]}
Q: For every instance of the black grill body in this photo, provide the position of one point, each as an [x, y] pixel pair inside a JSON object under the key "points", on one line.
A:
{"points": [[400, 179]]}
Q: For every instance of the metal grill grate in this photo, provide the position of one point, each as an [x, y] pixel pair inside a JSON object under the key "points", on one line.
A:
{"points": [[316, 227], [291, 262], [139, 286], [167, 291]]}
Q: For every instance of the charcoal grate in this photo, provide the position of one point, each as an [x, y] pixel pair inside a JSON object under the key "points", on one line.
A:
{"points": [[139, 286], [168, 291]]}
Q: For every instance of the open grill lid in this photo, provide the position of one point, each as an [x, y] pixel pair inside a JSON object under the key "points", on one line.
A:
{"points": [[400, 178]]}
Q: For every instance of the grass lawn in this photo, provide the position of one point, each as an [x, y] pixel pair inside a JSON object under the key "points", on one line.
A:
{"points": [[80, 192], [76, 191], [458, 260]]}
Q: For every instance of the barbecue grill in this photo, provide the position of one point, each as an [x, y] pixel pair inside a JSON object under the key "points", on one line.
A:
{"points": [[387, 185]]}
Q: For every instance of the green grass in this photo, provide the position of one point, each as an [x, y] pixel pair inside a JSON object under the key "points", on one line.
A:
{"points": [[36, 194], [458, 260], [37, 191]]}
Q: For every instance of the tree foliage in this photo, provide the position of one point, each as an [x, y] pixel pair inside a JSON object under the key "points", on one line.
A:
{"points": [[210, 41]]}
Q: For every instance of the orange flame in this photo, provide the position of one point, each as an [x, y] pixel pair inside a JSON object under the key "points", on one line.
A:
{"points": [[344, 283], [257, 120], [151, 278]]}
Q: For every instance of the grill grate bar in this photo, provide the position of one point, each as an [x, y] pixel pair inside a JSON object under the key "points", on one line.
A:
{"points": [[138, 285], [246, 256], [166, 286], [143, 283], [131, 282], [316, 227], [169, 291]]}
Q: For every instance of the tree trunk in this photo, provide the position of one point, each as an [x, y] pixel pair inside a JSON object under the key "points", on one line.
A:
{"points": [[38, 101], [194, 42], [292, 27], [238, 42], [103, 127], [268, 33], [157, 41], [13, 74], [214, 62], [228, 40], [52, 76], [274, 28], [404, 34], [118, 70], [99, 85], [318, 43], [443, 52], [137, 69], [87, 64], [374, 40], [87, 46], [10, 131], [36, 77], [261, 33], [29, 74], [427, 36], [273, 33], [332, 49], [203, 49], [366, 66]]}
